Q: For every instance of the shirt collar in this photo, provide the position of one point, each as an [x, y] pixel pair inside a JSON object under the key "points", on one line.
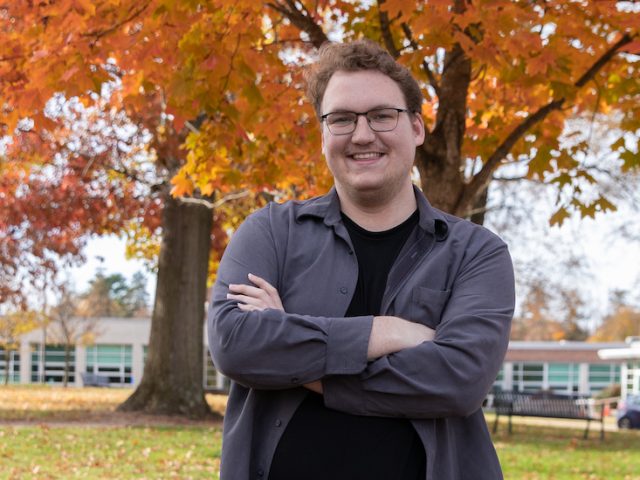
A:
{"points": [[327, 207]]}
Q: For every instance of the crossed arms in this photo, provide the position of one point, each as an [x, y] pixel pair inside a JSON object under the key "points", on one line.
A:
{"points": [[367, 365], [389, 334]]}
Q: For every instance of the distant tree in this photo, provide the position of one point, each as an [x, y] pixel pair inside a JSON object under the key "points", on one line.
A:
{"points": [[113, 296], [548, 313], [136, 299], [622, 322], [67, 328], [12, 326]]}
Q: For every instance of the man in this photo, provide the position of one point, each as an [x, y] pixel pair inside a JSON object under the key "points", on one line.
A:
{"points": [[361, 329]]}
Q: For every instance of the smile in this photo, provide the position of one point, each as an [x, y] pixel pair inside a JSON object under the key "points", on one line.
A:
{"points": [[366, 156]]}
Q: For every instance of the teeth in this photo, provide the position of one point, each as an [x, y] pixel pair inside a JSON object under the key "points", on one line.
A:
{"points": [[364, 156]]}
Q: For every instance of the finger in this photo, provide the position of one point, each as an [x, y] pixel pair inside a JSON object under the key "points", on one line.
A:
{"points": [[262, 283], [247, 290], [248, 308], [247, 300]]}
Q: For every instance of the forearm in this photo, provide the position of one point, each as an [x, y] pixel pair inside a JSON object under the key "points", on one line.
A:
{"points": [[392, 334], [271, 349], [389, 335]]}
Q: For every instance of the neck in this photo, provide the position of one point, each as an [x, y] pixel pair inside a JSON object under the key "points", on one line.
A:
{"points": [[376, 213]]}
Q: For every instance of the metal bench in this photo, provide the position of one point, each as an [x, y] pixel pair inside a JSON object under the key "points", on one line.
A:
{"points": [[548, 405], [94, 380]]}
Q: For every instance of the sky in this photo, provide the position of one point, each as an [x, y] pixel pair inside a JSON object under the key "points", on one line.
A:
{"points": [[108, 253]]}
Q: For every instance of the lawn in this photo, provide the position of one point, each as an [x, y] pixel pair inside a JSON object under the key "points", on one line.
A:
{"points": [[56, 433], [535, 452]]}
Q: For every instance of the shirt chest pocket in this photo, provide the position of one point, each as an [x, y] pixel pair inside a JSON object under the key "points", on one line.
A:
{"points": [[426, 305]]}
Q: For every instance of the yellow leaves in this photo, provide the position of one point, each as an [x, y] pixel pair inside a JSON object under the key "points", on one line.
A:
{"points": [[559, 217], [182, 186]]}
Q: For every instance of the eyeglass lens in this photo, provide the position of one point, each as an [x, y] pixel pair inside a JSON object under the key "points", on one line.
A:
{"points": [[380, 120]]}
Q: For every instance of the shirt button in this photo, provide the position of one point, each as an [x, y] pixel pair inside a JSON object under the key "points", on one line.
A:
{"points": [[295, 380], [344, 290], [260, 472], [278, 423]]}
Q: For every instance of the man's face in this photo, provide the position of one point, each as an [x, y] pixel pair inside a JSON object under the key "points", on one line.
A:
{"points": [[366, 163]]}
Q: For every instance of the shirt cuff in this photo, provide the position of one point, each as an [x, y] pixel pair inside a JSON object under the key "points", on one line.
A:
{"points": [[344, 393], [347, 345]]}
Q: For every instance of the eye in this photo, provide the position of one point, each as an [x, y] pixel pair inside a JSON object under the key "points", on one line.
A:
{"points": [[340, 118], [383, 115]]}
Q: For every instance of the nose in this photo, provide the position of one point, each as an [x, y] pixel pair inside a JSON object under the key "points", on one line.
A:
{"points": [[363, 133]]}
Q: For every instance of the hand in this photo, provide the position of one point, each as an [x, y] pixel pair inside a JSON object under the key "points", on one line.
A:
{"points": [[262, 295]]}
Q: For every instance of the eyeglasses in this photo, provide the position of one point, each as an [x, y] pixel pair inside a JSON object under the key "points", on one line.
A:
{"points": [[379, 120]]}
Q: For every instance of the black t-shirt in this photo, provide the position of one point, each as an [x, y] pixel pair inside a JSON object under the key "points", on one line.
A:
{"points": [[320, 443]]}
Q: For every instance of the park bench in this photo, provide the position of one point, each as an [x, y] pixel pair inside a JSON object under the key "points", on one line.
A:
{"points": [[548, 405], [94, 380]]}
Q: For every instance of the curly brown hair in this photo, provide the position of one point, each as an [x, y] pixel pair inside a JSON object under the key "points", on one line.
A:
{"points": [[358, 55]]}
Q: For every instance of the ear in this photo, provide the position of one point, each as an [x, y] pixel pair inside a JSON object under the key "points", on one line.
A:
{"points": [[418, 128]]}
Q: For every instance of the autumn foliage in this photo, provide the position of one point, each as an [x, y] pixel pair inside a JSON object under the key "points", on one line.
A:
{"points": [[208, 99], [218, 86]]}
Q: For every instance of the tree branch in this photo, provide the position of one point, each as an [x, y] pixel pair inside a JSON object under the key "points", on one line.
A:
{"points": [[603, 60], [98, 34], [217, 203], [385, 29], [484, 176], [425, 66], [301, 19]]}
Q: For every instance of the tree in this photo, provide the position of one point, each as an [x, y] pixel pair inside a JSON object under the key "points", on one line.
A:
{"points": [[622, 322], [223, 80], [113, 296], [121, 42], [12, 326], [67, 328], [551, 313]]}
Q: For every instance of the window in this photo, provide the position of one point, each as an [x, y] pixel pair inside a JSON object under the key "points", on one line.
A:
{"points": [[601, 376], [528, 377], [111, 361], [563, 377], [51, 368], [9, 365]]}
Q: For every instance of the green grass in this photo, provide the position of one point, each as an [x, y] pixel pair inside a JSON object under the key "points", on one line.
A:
{"points": [[556, 453], [42, 452], [54, 433]]}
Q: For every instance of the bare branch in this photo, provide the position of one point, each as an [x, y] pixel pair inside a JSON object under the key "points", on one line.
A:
{"points": [[484, 176], [217, 203], [301, 19]]}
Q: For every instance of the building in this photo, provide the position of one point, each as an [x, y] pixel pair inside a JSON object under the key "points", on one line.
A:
{"points": [[121, 343], [118, 353], [563, 367], [629, 355]]}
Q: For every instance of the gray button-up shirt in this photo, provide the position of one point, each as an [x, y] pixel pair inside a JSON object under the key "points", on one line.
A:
{"points": [[451, 275]]}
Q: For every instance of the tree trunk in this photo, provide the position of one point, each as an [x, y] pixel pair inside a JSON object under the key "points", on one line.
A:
{"points": [[173, 374], [440, 160]]}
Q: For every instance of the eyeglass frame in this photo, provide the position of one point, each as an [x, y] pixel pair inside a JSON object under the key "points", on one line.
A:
{"points": [[323, 118]]}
